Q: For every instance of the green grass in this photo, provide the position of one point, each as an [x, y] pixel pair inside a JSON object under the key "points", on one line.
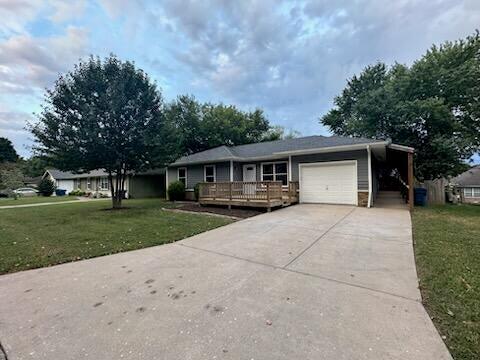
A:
{"points": [[46, 235], [447, 252], [35, 200]]}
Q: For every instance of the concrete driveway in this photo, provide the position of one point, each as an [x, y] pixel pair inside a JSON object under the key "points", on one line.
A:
{"points": [[305, 282]]}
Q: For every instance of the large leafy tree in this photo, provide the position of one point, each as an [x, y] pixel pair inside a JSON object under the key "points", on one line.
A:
{"points": [[7, 151], [105, 114], [35, 166], [11, 177], [203, 126], [432, 106]]}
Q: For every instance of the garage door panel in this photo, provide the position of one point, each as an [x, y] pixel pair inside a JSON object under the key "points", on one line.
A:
{"points": [[334, 183]]}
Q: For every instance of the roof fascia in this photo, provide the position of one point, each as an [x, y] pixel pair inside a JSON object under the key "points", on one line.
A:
{"points": [[333, 148]]}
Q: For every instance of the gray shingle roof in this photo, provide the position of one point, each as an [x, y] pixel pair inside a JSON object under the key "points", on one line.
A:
{"points": [[65, 175], [269, 148], [470, 177]]}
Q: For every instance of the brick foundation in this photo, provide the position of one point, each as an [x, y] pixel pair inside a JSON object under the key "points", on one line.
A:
{"points": [[363, 198]]}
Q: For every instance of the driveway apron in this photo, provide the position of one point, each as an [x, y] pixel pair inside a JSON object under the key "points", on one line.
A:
{"points": [[304, 282]]}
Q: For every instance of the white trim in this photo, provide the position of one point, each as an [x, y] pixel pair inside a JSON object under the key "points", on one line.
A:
{"points": [[231, 170], [472, 189], [282, 154], [273, 173], [401, 148], [100, 188], [214, 172], [333, 148], [289, 167], [186, 177], [369, 152], [88, 184], [327, 163]]}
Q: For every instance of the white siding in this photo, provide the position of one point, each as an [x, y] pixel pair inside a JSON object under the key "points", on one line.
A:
{"points": [[65, 185]]}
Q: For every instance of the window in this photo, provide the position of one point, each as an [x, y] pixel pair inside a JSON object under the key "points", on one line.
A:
{"points": [[182, 175], [104, 185], [471, 192], [209, 172], [275, 172], [88, 183]]}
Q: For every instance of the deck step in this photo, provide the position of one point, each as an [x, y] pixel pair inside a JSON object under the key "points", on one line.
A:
{"points": [[389, 195], [390, 199]]}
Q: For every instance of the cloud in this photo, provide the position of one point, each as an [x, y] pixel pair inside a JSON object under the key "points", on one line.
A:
{"points": [[12, 125], [15, 14], [292, 58], [66, 10], [29, 63], [289, 57]]}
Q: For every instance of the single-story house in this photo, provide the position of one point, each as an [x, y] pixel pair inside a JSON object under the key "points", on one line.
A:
{"points": [[469, 185], [150, 183], [312, 169]]}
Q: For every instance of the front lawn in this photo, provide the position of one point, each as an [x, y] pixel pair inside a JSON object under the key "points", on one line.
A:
{"points": [[447, 250], [46, 235], [35, 200]]}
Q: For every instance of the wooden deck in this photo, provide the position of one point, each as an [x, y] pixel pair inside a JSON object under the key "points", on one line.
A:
{"points": [[263, 194]]}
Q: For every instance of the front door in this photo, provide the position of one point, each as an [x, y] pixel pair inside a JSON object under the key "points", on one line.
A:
{"points": [[249, 175]]}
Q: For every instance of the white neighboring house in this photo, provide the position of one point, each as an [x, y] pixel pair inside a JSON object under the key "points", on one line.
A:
{"points": [[62, 180], [146, 184], [95, 182]]}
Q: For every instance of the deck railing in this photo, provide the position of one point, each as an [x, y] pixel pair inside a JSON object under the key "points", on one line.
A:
{"points": [[293, 191], [241, 190], [248, 193]]}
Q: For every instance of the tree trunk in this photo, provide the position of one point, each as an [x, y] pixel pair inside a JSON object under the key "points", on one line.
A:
{"points": [[112, 189], [116, 190]]}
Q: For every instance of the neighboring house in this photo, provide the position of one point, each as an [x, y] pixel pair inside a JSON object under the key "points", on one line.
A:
{"points": [[469, 185], [335, 170], [146, 184], [32, 182]]}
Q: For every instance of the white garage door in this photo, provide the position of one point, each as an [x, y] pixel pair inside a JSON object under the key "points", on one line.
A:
{"points": [[330, 183]]}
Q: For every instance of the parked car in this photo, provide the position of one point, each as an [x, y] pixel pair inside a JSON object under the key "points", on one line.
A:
{"points": [[26, 191]]}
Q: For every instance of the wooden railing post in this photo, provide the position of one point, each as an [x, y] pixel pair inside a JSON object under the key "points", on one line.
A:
{"points": [[268, 197]]}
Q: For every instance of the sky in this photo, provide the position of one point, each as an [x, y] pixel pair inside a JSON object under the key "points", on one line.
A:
{"points": [[289, 58]]}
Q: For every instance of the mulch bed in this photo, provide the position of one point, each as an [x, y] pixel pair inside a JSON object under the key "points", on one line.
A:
{"points": [[242, 213]]}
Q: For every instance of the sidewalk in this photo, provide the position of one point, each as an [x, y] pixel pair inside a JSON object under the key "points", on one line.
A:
{"points": [[80, 200]]}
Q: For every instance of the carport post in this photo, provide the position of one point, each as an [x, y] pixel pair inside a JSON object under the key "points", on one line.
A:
{"points": [[369, 152], [410, 180]]}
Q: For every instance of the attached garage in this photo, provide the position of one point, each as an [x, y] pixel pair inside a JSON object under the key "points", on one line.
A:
{"points": [[332, 182]]}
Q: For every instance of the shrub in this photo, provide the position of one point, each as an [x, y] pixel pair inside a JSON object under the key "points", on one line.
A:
{"points": [[176, 191], [76, 192], [46, 187]]}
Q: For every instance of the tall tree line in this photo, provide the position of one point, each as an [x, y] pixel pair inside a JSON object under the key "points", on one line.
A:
{"points": [[432, 105]]}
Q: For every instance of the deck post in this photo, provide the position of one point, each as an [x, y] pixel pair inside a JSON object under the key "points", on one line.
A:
{"points": [[410, 180], [230, 196], [268, 194]]}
